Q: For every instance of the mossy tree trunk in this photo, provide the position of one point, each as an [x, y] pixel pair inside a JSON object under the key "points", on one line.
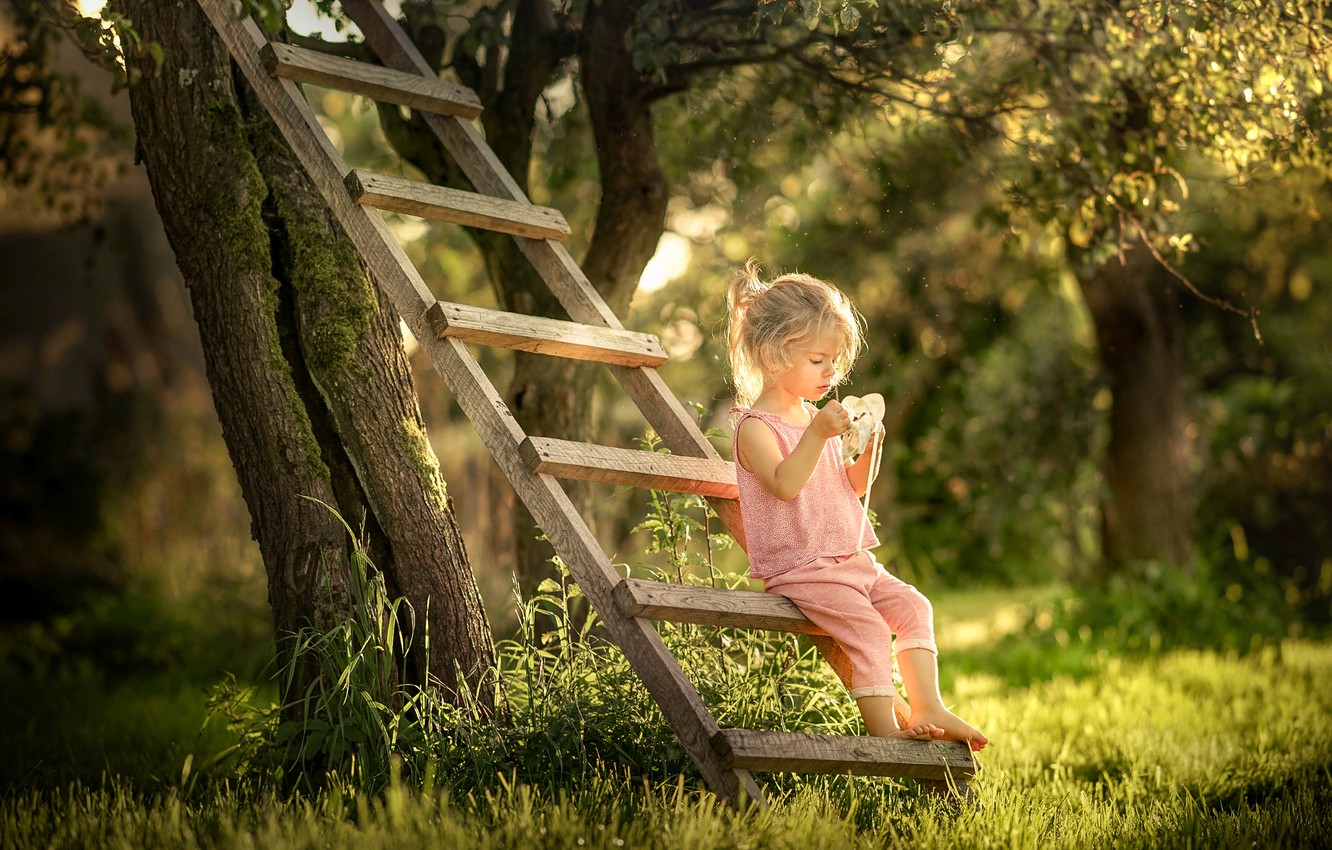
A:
{"points": [[304, 357]]}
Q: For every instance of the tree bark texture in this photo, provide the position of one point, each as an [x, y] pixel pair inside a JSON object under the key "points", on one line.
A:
{"points": [[1148, 512], [551, 396], [304, 357]]}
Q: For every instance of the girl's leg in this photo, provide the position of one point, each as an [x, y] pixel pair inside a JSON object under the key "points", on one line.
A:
{"points": [[909, 614], [833, 594], [920, 676]]}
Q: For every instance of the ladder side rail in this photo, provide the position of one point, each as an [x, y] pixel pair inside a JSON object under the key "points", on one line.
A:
{"points": [[543, 495]]}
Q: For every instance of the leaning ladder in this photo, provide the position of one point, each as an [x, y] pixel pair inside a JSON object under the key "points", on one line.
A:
{"points": [[533, 464]]}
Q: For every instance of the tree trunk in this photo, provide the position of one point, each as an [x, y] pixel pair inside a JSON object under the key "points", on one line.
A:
{"points": [[304, 358], [632, 214], [1149, 502]]}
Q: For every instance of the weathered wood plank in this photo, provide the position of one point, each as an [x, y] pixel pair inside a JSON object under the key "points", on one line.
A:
{"points": [[708, 606], [740, 609], [798, 752], [545, 336], [649, 470], [428, 94], [398, 194]]}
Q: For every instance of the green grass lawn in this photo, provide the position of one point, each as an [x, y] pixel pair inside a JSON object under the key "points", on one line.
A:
{"points": [[1185, 748]]}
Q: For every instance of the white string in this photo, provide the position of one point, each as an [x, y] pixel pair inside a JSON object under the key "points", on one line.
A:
{"points": [[875, 445]]}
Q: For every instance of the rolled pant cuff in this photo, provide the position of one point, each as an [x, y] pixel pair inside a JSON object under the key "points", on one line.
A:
{"points": [[915, 643], [874, 691]]}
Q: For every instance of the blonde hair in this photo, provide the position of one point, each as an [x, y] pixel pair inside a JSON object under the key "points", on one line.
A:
{"points": [[764, 319]]}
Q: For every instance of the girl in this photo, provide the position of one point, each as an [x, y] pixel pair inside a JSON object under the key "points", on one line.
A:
{"points": [[791, 341]]}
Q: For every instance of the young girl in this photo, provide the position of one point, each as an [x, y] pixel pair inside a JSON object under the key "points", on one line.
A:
{"points": [[791, 341]]}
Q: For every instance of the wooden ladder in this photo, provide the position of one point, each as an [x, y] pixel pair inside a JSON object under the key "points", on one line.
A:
{"points": [[534, 465]]}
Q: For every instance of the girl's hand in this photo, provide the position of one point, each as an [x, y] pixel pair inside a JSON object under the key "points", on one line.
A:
{"points": [[866, 467], [832, 421]]}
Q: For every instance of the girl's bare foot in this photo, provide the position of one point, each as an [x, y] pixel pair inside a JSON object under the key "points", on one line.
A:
{"points": [[919, 732], [950, 726], [902, 713]]}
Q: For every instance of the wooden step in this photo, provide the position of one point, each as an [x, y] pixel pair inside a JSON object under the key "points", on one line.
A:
{"points": [[428, 94], [800, 752], [398, 194], [649, 470], [708, 606], [545, 336]]}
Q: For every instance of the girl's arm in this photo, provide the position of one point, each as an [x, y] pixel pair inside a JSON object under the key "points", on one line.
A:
{"points": [[784, 478], [860, 473]]}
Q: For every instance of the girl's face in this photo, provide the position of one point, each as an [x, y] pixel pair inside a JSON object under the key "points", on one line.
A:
{"points": [[812, 371]]}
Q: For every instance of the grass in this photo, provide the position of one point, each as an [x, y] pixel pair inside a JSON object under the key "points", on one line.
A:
{"points": [[1183, 748]]}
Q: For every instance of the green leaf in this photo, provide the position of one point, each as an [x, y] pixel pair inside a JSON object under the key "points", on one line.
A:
{"points": [[849, 15]]}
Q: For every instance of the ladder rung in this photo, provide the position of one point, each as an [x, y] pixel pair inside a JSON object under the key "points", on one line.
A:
{"points": [[865, 756], [429, 94], [545, 336], [649, 470], [397, 194], [708, 606]]}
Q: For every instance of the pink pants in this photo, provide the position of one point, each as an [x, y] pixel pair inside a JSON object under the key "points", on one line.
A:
{"points": [[860, 605]]}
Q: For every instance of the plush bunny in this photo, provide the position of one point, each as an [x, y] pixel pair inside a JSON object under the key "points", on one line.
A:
{"points": [[866, 415]]}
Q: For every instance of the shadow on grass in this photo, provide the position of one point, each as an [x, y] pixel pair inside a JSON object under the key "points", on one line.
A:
{"points": [[116, 686]]}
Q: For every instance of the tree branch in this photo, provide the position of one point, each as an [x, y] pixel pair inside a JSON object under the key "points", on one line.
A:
{"points": [[1251, 314]]}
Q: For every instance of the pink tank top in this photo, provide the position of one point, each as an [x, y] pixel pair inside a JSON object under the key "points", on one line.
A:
{"points": [[823, 519]]}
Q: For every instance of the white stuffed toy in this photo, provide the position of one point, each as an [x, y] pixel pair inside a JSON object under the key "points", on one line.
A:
{"points": [[866, 418]]}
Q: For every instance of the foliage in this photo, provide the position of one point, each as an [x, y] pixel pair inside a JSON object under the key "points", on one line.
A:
{"points": [[997, 483], [105, 680], [1114, 99], [355, 722], [858, 139], [58, 144], [1264, 428], [1142, 614], [672, 522], [115, 632]]}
